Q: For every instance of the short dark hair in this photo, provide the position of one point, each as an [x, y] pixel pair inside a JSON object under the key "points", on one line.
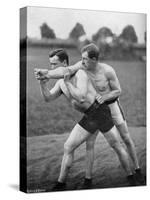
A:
{"points": [[61, 53], [92, 50]]}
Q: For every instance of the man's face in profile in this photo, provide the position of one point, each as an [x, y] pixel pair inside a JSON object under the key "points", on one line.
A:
{"points": [[55, 62], [86, 61]]}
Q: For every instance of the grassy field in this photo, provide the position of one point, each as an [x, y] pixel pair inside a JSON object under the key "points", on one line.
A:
{"points": [[58, 117], [44, 165]]}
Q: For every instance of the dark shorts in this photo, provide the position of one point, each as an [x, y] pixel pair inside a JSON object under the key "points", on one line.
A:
{"points": [[111, 101], [97, 117]]}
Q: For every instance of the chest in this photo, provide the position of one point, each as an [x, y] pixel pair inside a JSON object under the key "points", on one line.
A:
{"points": [[99, 81]]}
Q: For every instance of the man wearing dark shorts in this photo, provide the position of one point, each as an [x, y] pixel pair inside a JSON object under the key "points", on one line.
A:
{"points": [[97, 117], [79, 90], [106, 83]]}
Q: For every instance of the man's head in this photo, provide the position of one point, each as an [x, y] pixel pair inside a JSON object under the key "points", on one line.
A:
{"points": [[90, 54], [58, 57]]}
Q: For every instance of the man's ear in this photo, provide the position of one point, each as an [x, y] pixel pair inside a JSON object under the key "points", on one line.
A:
{"points": [[94, 59], [65, 63]]}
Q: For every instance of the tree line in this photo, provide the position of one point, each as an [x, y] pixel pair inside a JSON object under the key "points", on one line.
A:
{"points": [[103, 35], [111, 46]]}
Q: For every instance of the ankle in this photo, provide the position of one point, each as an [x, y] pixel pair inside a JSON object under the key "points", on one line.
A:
{"points": [[130, 176], [87, 183], [61, 182], [137, 168]]}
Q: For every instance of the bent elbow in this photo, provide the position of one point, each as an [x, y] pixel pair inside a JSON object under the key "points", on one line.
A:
{"points": [[82, 99]]}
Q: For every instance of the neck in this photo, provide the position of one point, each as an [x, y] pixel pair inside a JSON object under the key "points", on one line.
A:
{"points": [[94, 69]]}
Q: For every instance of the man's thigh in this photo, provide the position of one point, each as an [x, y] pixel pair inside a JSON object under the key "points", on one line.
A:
{"points": [[77, 136], [112, 136], [91, 139], [117, 113]]}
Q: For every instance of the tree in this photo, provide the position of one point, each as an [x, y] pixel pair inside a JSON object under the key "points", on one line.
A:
{"points": [[102, 34], [103, 38], [129, 35], [77, 31], [47, 32]]}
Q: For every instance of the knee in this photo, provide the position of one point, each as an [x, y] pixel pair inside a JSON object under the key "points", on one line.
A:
{"points": [[116, 145], [127, 139], [67, 148]]}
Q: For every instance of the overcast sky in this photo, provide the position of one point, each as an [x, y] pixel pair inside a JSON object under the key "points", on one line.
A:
{"points": [[63, 20]]}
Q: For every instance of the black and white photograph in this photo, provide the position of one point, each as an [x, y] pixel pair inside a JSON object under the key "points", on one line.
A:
{"points": [[82, 99]]}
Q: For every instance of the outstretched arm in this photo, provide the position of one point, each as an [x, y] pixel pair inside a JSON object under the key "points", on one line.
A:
{"points": [[52, 94], [79, 91], [58, 72]]}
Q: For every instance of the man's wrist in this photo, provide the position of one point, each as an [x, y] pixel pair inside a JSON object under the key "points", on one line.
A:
{"points": [[48, 76], [43, 83]]}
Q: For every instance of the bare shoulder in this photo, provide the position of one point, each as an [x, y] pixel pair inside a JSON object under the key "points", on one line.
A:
{"points": [[81, 72], [109, 71], [107, 68]]}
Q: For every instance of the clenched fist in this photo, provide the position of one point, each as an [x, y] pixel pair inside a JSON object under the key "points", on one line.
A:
{"points": [[41, 74]]}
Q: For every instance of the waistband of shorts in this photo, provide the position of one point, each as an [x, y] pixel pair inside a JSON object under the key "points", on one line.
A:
{"points": [[111, 101], [94, 106]]}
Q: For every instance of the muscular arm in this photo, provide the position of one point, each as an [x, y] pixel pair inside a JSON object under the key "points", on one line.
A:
{"points": [[52, 94], [114, 86], [61, 71], [79, 92]]}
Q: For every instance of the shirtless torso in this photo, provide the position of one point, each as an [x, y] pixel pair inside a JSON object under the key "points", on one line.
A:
{"points": [[100, 79], [90, 95], [102, 76]]}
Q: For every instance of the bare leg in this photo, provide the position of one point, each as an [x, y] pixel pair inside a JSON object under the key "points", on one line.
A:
{"points": [[76, 138], [90, 155], [112, 138], [125, 135]]}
